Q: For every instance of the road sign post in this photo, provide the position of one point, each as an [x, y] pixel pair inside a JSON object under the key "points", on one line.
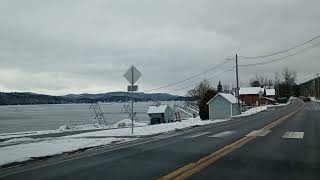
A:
{"points": [[132, 75]]}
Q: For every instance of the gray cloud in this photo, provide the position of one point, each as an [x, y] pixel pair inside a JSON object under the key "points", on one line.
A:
{"points": [[60, 47]]}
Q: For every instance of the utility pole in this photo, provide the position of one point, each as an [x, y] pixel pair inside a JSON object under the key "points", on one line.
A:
{"points": [[237, 78], [318, 86]]}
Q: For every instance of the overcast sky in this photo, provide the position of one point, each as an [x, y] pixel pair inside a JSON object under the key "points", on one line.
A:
{"points": [[77, 46]]}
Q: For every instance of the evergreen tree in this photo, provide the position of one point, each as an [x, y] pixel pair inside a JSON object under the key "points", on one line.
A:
{"points": [[219, 87]]}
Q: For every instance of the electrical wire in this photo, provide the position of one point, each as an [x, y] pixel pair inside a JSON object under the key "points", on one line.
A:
{"points": [[280, 52], [191, 77], [284, 57], [211, 78]]}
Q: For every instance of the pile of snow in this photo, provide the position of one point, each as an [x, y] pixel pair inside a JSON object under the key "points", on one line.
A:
{"points": [[81, 127], [314, 99], [128, 123], [23, 152], [255, 110], [149, 130]]}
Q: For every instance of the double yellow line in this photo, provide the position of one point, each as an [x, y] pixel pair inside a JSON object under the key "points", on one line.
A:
{"points": [[192, 168]]}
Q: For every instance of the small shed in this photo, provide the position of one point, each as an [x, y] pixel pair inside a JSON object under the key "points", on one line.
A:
{"points": [[160, 114], [223, 106]]}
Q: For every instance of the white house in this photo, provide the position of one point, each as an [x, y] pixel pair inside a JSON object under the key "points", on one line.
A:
{"points": [[223, 106], [160, 114], [271, 92]]}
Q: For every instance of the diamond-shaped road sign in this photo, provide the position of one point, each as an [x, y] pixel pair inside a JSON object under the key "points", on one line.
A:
{"points": [[132, 74]]}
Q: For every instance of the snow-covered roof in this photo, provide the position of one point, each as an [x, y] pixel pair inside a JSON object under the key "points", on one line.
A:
{"points": [[229, 97], [250, 90], [270, 92], [157, 109]]}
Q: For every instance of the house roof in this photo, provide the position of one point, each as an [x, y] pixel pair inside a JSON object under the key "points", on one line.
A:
{"points": [[270, 92], [157, 109], [250, 90], [229, 97]]}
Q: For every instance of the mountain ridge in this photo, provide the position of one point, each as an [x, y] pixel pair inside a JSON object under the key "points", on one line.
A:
{"points": [[26, 98]]}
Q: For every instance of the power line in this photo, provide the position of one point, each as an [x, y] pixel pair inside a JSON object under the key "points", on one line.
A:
{"points": [[284, 57], [248, 65], [191, 77], [279, 52], [198, 82]]}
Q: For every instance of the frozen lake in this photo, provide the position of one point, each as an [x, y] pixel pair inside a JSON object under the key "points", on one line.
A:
{"points": [[52, 116]]}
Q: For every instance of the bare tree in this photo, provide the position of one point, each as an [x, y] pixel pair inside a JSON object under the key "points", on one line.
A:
{"points": [[202, 94], [199, 91], [261, 81], [277, 82], [226, 87], [289, 77]]}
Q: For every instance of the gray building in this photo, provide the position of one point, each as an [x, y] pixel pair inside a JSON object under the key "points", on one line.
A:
{"points": [[223, 106], [160, 114]]}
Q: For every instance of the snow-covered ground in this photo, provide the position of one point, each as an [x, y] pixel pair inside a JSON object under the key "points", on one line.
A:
{"points": [[49, 147], [22, 149], [150, 130], [128, 123], [253, 110], [258, 109]]}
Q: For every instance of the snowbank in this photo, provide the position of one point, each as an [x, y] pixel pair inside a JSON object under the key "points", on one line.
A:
{"points": [[128, 123], [253, 110], [258, 109], [23, 152], [314, 99], [81, 127], [149, 130]]}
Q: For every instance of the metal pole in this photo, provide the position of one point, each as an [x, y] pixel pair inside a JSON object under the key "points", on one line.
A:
{"points": [[314, 94], [237, 78], [318, 87], [132, 101]]}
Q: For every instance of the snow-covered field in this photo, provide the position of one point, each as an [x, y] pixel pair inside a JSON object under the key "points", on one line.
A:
{"points": [[22, 149]]}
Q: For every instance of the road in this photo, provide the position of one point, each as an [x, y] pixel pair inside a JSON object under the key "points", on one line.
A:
{"points": [[221, 151]]}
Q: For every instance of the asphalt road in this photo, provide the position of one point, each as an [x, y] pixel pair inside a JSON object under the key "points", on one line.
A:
{"points": [[276, 156], [268, 156]]}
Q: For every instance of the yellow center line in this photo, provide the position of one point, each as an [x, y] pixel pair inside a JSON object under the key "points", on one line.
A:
{"points": [[192, 168]]}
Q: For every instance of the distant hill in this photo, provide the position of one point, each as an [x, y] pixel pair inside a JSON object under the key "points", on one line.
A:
{"points": [[16, 98], [310, 87]]}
